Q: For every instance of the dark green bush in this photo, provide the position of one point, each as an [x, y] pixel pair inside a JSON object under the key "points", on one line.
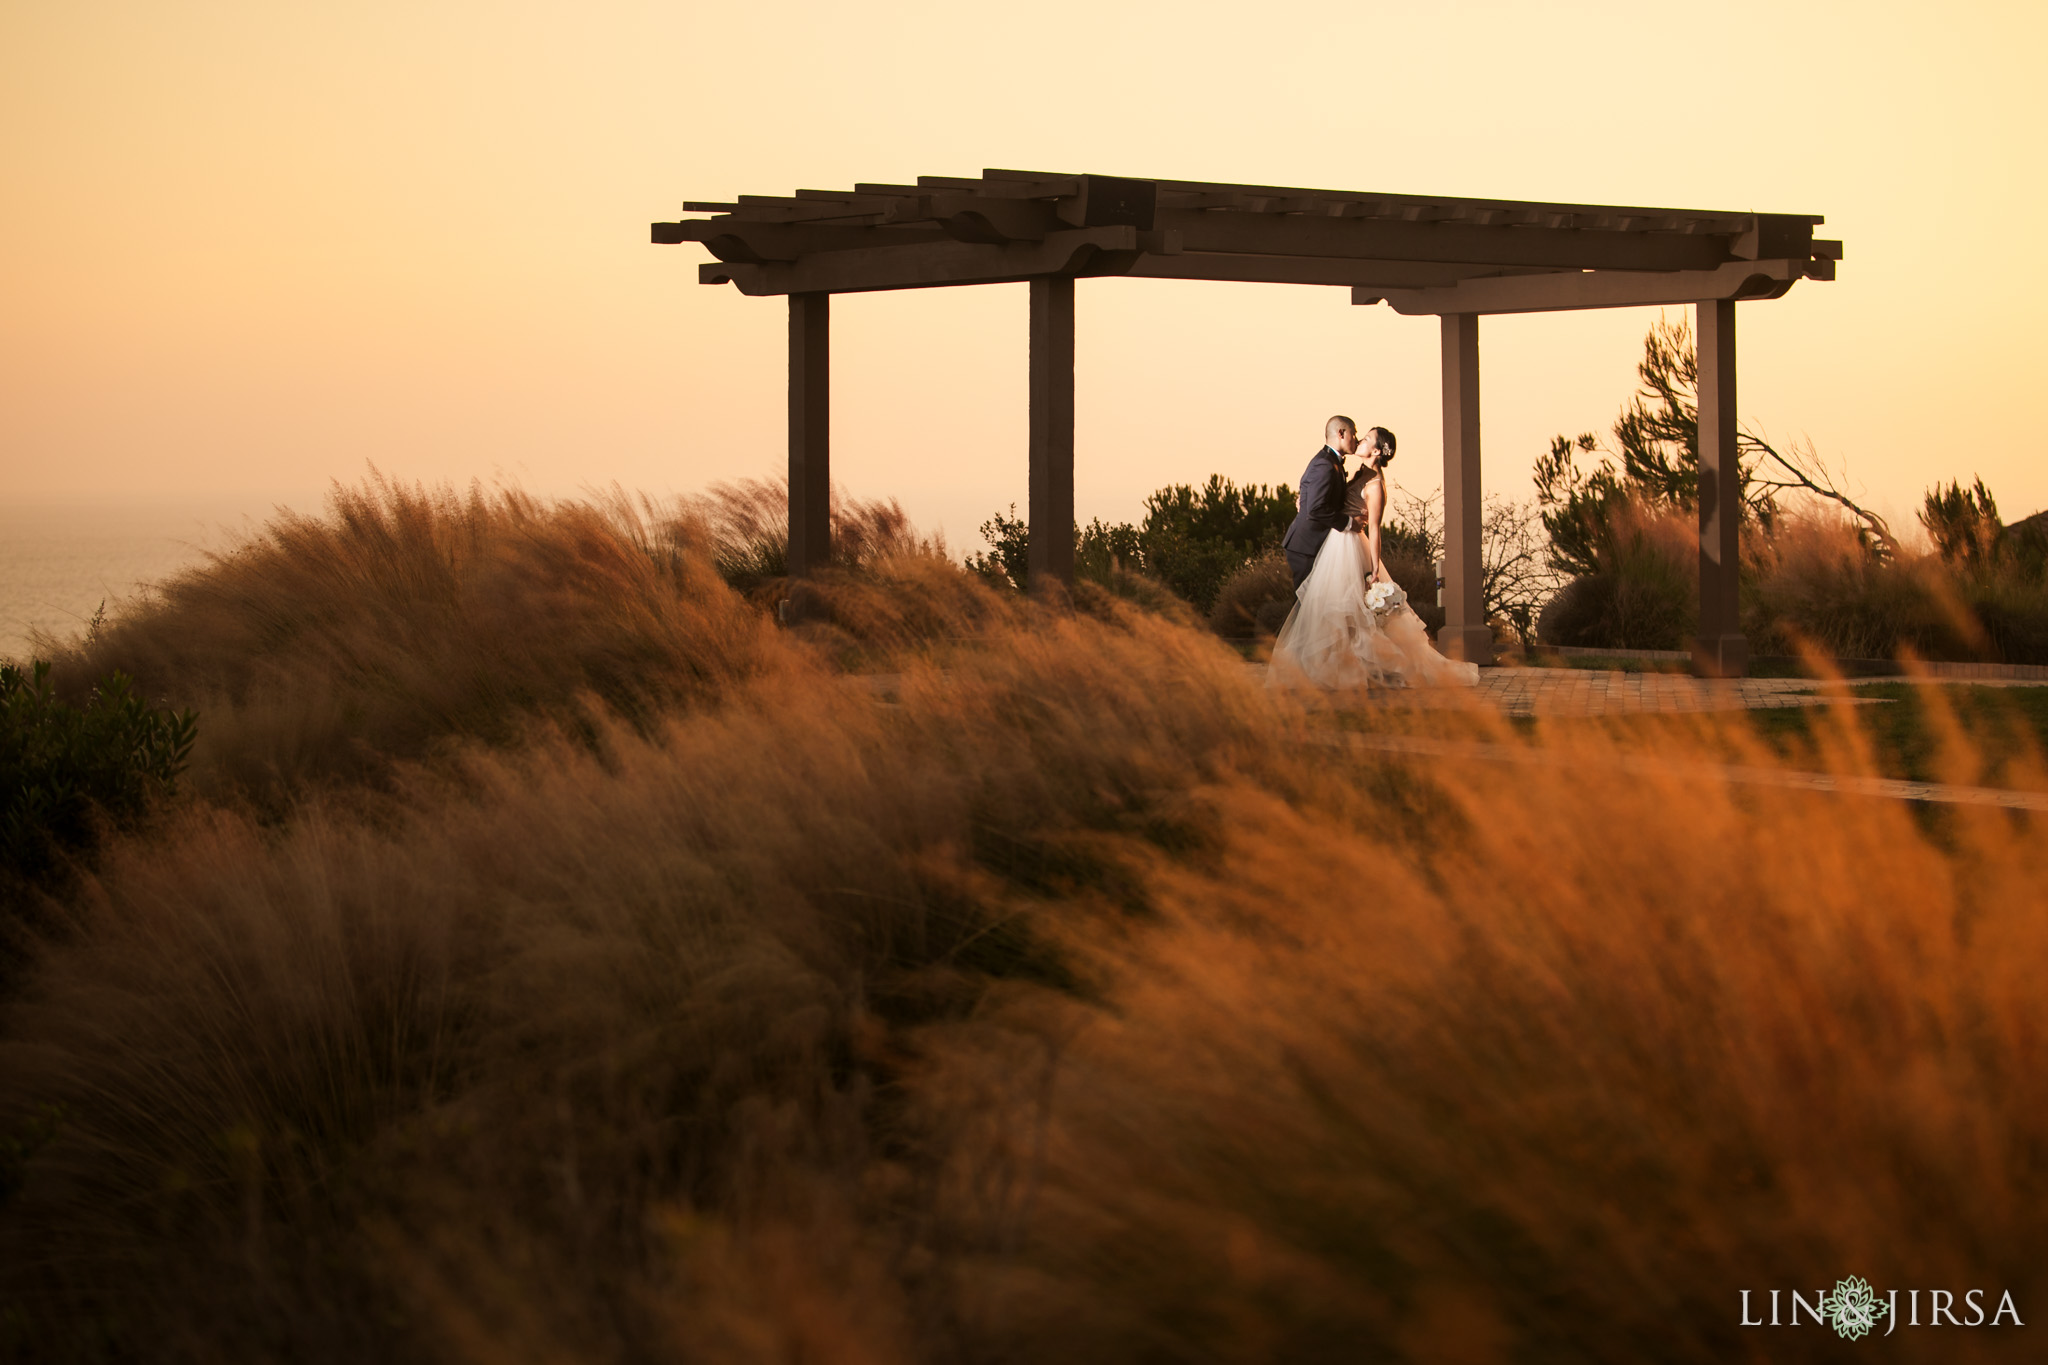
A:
{"points": [[1192, 539], [1256, 599], [64, 768], [1102, 552], [1008, 560], [1196, 538], [1643, 593]]}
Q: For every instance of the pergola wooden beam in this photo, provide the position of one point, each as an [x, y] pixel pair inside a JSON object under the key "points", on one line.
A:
{"points": [[1374, 239], [1553, 291], [927, 265], [1382, 276], [1452, 257], [1416, 287], [1009, 206], [1592, 270]]}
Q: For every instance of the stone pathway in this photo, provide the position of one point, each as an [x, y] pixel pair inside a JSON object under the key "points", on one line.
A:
{"points": [[1585, 692], [1592, 692], [1589, 692], [1579, 692], [1895, 789]]}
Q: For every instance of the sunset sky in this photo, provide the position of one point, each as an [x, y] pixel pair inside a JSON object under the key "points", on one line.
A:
{"points": [[252, 247]]}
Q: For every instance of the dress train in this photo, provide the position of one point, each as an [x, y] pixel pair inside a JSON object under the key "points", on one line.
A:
{"points": [[1332, 639]]}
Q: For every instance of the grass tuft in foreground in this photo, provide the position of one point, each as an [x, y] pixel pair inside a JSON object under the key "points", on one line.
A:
{"points": [[1080, 1002]]}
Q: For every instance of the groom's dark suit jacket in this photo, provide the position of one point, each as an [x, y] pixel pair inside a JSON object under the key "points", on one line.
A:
{"points": [[1321, 509]]}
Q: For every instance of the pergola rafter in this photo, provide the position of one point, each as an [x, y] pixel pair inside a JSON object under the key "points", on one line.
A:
{"points": [[1451, 257]]}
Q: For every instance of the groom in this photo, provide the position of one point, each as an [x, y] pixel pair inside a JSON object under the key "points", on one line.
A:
{"points": [[1321, 507]]}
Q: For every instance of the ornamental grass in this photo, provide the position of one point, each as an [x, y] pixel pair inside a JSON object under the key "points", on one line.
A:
{"points": [[1057, 995]]}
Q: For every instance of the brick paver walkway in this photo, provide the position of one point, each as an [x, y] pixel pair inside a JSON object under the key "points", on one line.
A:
{"points": [[1583, 692], [1838, 784], [1591, 692], [1586, 692]]}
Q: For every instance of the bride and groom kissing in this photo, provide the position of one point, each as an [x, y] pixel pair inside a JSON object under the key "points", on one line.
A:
{"points": [[1351, 625]]}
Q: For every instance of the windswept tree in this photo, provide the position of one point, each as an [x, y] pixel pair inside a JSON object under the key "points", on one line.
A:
{"points": [[1653, 462], [1963, 522]]}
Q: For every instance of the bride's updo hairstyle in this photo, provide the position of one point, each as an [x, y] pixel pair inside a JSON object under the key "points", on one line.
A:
{"points": [[1384, 439]]}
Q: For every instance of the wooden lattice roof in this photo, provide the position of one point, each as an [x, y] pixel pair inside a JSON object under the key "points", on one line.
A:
{"points": [[1421, 254]]}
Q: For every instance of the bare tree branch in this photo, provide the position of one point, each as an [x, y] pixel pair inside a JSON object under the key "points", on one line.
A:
{"points": [[1424, 514], [1517, 573], [1804, 471]]}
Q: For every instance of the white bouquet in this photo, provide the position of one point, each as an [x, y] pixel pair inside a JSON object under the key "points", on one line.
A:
{"points": [[1385, 598]]}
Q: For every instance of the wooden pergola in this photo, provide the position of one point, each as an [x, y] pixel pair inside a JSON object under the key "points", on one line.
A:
{"points": [[1459, 259]]}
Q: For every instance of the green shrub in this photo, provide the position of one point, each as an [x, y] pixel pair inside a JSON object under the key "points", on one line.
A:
{"points": [[1195, 539], [1008, 560], [1192, 539], [63, 768], [1643, 593], [2013, 610], [1256, 599], [1102, 553]]}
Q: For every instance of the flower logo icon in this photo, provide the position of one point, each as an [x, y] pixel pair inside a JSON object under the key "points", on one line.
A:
{"points": [[1853, 1308]]}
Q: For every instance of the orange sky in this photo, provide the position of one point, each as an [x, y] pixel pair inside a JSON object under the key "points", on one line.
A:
{"points": [[251, 247]]}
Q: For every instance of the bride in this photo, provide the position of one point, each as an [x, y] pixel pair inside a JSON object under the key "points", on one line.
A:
{"points": [[1351, 625]]}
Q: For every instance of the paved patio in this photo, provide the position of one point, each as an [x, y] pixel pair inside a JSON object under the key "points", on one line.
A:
{"points": [[1589, 692], [1583, 692], [1837, 784]]}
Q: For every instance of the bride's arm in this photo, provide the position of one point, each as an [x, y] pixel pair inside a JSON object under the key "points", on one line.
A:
{"points": [[1375, 504]]}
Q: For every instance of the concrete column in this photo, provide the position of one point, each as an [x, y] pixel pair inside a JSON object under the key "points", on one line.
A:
{"points": [[1719, 650], [1465, 634], [1051, 510], [810, 432]]}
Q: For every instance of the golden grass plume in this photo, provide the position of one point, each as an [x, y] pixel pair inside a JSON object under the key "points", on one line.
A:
{"points": [[1068, 998]]}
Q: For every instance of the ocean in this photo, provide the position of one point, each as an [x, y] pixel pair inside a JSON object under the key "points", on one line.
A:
{"points": [[60, 561]]}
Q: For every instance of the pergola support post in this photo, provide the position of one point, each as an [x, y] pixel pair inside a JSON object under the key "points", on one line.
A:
{"points": [[810, 432], [1465, 634], [1719, 650], [1051, 508]]}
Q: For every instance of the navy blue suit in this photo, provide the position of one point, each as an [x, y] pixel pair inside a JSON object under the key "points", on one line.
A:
{"points": [[1319, 512]]}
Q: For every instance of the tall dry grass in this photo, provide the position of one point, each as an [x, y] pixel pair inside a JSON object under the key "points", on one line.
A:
{"points": [[1815, 584], [748, 523], [1812, 583], [326, 646], [1078, 1001], [1559, 1092]]}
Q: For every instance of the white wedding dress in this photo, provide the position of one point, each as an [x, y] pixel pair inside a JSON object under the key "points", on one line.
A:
{"points": [[1332, 639]]}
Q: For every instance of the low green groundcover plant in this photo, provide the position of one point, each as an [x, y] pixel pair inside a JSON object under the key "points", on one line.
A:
{"points": [[63, 768]]}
